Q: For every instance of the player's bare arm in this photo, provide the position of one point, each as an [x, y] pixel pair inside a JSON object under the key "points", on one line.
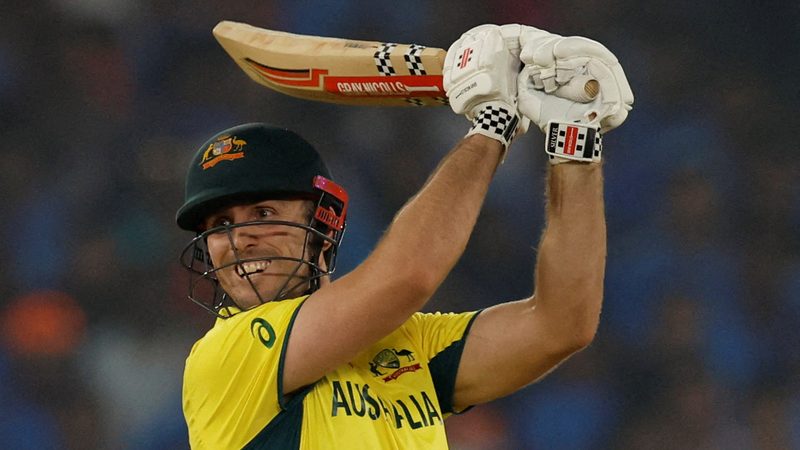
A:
{"points": [[528, 338], [423, 243]]}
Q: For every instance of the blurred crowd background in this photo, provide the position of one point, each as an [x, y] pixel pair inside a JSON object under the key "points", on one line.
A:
{"points": [[102, 103]]}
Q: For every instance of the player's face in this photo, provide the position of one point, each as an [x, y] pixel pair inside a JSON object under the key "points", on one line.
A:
{"points": [[258, 241]]}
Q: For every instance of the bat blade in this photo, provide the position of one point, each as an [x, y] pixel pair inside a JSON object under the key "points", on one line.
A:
{"points": [[336, 70]]}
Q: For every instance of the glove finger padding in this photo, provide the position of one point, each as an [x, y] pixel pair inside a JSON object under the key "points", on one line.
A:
{"points": [[478, 69], [536, 46], [543, 59], [511, 34], [577, 46]]}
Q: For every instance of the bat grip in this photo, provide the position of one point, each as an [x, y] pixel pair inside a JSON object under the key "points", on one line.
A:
{"points": [[581, 89]]}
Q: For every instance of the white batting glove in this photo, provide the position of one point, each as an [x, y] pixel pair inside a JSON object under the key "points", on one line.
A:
{"points": [[553, 65], [552, 95], [480, 78]]}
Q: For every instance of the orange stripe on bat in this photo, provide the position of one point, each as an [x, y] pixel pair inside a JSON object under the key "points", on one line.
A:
{"points": [[289, 77]]}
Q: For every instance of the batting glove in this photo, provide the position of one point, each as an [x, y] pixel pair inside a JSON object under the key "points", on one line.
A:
{"points": [[552, 63], [552, 94], [480, 77]]}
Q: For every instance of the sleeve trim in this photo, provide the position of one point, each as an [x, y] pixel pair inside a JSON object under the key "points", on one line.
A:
{"points": [[444, 369], [282, 398]]}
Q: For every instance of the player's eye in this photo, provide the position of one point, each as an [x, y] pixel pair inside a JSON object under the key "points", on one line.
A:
{"points": [[265, 213], [221, 222]]}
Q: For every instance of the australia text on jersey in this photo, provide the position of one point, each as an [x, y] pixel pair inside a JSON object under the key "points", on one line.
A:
{"points": [[417, 411]]}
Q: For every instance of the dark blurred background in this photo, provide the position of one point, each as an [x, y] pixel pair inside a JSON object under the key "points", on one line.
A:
{"points": [[102, 103]]}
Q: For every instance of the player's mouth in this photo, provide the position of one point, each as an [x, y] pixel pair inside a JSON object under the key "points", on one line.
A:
{"points": [[247, 269]]}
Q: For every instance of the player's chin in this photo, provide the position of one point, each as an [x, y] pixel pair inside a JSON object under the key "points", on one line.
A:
{"points": [[261, 288], [254, 292]]}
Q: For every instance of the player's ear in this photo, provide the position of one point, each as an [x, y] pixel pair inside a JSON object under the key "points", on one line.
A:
{"points": [[326, 279], [326, 245]]}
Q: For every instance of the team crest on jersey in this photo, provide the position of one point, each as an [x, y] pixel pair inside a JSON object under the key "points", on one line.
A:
{"points": [[393, 359], [224, 148]]}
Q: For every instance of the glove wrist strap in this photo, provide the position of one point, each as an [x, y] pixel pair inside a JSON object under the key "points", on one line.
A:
{"points": [[571, 141], [496, 120]]}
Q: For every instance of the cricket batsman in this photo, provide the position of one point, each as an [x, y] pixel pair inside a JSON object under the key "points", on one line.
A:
{"points": [[296, 360]]}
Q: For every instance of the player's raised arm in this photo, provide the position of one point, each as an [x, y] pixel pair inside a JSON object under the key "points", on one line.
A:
{"points": [[530, 337], [429, 234]]}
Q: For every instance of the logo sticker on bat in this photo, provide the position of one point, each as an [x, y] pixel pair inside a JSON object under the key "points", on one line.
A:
{"points": [[400, 86], [369, 86]]}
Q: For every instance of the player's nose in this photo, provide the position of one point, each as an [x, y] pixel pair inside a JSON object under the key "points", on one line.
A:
{"points": [[244, 237]]}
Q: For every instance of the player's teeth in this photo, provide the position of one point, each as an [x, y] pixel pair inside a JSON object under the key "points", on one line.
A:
{"points": [[251, 267]]}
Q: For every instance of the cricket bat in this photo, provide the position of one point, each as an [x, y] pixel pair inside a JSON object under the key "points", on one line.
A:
{"points": [[342, 71]]}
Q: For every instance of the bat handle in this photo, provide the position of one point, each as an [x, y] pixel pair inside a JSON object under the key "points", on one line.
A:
{"points": [[581, 88]]}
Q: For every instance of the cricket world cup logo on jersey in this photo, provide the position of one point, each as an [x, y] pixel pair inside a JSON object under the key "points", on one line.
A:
{"points": [[224, 148], [391, 359]]}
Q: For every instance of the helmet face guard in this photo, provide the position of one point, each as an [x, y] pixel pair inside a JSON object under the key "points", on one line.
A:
{"points": [[250, 163], [326, 226]]}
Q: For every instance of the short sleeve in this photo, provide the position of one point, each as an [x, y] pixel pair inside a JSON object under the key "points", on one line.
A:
{"points": [[442, 338]]}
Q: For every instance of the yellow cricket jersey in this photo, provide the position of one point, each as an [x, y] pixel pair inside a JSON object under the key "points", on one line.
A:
{"points": [[393, 395]]}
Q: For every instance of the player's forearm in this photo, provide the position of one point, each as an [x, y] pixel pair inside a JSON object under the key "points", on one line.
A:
{"points": [[431, 231], [572, 254]]}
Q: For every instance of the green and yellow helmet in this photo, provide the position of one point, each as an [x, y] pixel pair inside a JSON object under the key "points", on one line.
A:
{"points": [[250, 163]]}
